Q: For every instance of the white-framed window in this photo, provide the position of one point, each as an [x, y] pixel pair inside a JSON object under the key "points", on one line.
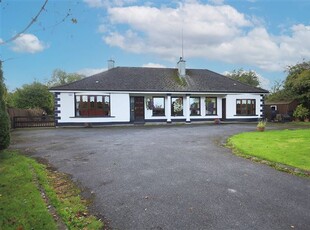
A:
{"points": [[177, 106], [158, 106], [211, 105], [194, 106]]}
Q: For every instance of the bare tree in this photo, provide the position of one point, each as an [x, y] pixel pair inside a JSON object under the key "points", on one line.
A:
{"points": [[27, 27]]}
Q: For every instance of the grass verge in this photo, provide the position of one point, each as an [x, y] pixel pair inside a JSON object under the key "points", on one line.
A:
{"points": [[286, 150], [29, 192], [305, 124]]}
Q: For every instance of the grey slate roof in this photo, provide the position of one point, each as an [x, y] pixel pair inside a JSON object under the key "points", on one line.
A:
{"points": [[158, 80]]}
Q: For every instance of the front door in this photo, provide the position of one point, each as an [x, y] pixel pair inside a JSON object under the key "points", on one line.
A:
{"points": [[224, 109], [139, 109]]}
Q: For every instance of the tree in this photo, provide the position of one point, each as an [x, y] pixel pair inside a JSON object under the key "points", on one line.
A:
{"points": [[6, 96], [298, 82], [34, 20], [301, 112], [4, 117], [278, 93], [295, 86], [60, 77], [35, 95], [247, 77]]}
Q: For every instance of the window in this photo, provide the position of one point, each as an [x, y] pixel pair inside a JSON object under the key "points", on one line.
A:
{"points": [[88, 106], [211, 106], [246, 107], [158, 106], [177, 106], [273, 108], [195, 106]]}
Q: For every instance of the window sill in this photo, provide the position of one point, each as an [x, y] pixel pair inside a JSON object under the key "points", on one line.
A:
{"points": [[94, 117], [245, 115], [210, 115]]}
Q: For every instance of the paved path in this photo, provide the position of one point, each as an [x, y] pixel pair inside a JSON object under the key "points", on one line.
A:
{"points": [[173, 177]]}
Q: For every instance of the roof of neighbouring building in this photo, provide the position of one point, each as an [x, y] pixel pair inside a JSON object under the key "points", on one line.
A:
{"points": [[158, 80], [280, 102]]}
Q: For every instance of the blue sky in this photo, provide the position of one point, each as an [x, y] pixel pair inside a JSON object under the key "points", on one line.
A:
{"points": [[221, 35]]}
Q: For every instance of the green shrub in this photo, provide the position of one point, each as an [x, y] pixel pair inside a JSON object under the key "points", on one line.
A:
{"points": [[301, 112], [4, 117], [262, 124]]}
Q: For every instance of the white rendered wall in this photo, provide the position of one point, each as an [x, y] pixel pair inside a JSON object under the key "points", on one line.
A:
{"points": [[120, 107], [231, 101], [119, 103]]}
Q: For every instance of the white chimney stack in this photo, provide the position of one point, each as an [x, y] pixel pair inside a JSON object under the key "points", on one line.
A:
{"points": [[111, 64], [181, 67]]}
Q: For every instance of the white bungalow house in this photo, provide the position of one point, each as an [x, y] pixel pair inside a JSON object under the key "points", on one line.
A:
{"points": [[138, 94]]}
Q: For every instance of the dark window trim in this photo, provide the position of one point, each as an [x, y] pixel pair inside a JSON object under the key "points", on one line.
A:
{"points": [[95, 117], [95, 109], [249, 112], [164, 113], [215, 107], [250, 115]]}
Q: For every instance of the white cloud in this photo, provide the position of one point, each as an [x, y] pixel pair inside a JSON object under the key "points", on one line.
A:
{"points": [[129, 41], [95, 3], [107, 3], [264, 82], [102, 28], [28, 43], [217, 2], [214, 32], [153, 65], [90, 71]]}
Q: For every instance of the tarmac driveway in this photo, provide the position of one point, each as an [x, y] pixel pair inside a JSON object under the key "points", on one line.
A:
{"points": [[172, 177]]}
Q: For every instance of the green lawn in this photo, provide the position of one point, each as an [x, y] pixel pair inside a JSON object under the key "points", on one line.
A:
{"points": [[22, 180], [21, 204], [289, 147]]}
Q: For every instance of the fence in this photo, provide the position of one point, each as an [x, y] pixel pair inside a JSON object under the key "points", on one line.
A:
{"points": [[34, 121], [14, 112]]}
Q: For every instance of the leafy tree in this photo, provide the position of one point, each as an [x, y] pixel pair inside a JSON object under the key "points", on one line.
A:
{"points": [[6, 96], [301, 112], [278, 93], [295, 86], [60, 77], [247, 77], [4, 117], [298, 82], [35, 95]]}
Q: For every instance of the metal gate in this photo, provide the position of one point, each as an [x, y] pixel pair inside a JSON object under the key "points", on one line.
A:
{"points": [[38, 121]]}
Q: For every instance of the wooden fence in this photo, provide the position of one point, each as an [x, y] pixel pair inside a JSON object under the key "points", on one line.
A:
{"points": [[34, 121]]}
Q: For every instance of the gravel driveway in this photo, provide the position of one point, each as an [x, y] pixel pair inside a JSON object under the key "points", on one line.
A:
{"points": [[172, 177]]}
